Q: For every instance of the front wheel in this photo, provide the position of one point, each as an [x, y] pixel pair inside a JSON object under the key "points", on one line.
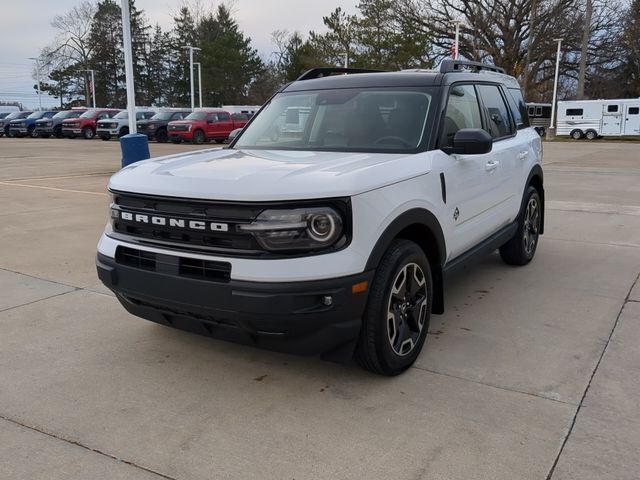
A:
{"points": [[162, 136], [88, 133], [396, 320], [522, 247], [576, 134], [123, 131], [198, 137], [32, 132]]}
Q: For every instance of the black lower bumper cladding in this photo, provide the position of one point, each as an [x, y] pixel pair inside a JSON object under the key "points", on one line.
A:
{"points": [[306, 318]]}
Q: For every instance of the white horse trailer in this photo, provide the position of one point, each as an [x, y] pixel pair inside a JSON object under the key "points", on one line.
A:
{"points": [[599, 118]]}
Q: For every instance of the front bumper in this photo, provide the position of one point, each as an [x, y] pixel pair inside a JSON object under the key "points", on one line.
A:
{"points": [[107, 133], [18, 130], [184, 135], [44, 130], [285, 316], [71, 132]]}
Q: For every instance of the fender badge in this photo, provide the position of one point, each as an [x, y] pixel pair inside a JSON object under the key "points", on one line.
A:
{"points": [[456, 214]]}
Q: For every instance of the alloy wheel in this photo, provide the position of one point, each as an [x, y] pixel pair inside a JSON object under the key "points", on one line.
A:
{"points": [[407, 309], [531, 225]]}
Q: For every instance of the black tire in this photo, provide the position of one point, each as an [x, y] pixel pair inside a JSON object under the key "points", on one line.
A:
{"points": [[576, 134], [391, 319], [591, 135], [44, 135], [88, 133], [219, 140], [522, 247], [57, 132], [105, 138], [198, 137], [31, 132], [123, 131], [162, 136], [176, 140]]}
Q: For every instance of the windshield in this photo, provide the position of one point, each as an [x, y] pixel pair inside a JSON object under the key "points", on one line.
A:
{"points": [[36, 115], [368, 119], [68, 114], [163, 116], [196, 116], [124, 115], [89, 114]]}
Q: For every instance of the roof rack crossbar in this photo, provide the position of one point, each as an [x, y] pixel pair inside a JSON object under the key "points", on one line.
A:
{"points": [[326, 71], [465, 65]]}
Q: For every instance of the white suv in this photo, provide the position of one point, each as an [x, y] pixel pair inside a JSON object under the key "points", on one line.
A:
{"points": [[335, 238], [118, 125]]}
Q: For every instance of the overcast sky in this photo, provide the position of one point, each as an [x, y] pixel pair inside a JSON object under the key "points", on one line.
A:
{"points": [[25, 28]]}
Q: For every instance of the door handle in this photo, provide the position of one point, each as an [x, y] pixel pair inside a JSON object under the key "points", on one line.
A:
{"points": [[523, 155], [491, 165]]}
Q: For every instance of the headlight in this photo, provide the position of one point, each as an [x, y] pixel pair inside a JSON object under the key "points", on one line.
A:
{"points": [[299, 229]]}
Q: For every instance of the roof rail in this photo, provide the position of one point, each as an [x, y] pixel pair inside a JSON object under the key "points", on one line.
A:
{"points": [[326, 71], [465, 65]]}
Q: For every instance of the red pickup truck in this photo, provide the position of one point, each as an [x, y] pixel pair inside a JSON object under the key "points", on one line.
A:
{"points": [[86, 124], [206, 124]]}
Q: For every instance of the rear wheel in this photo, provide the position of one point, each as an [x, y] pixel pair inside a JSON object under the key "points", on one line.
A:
{"points": [[198, 137], [576, 134], [396, 320], [522, 247], [88, 133], [123, 131], [591, 135]]}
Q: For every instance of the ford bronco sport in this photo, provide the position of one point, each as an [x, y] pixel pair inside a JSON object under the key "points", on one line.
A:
{"points": [[335, 237]]}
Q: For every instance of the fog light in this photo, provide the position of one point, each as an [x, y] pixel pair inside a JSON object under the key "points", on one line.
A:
{"points": [[327, 300]]}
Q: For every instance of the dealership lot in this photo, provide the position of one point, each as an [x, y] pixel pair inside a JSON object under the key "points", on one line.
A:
{"points": [[532, 373]]}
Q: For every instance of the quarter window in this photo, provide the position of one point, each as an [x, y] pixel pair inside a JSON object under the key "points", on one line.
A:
{"points": [[612, 108], [518, 108], [463, 111], [574, 112], [634, 110], [499, 122]]}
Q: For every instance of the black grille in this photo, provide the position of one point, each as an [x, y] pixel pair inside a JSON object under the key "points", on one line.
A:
{"points": [[174, 265], [179, 128]]}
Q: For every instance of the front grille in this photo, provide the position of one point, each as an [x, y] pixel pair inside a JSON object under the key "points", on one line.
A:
{"points": [[108, 125], [179, 128], [174, 265], [183, 237]]}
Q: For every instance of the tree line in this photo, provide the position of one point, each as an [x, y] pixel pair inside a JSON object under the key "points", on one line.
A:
{"points": [[600, 50]]}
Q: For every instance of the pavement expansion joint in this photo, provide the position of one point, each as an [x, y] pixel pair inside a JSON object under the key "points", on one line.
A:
{"points": [[593, 373], [491, 385], [81, 445]]}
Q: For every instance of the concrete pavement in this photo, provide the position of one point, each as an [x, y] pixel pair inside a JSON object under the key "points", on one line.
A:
{"points": [[532, 373]]}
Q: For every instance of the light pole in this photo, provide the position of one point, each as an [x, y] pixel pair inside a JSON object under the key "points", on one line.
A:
{"points": [[38, 77], [199, 81], [93, 86], [191, 49], [551, 132], [456, 52]]}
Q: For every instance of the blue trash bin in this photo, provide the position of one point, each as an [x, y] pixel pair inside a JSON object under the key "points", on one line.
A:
{"points": [[135, 147]]}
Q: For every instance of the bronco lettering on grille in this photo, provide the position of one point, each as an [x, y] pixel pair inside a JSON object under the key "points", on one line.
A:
{"points": [[174, 222]]}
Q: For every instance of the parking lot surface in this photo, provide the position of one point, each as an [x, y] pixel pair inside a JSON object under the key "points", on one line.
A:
{"points": [[532, 373]]}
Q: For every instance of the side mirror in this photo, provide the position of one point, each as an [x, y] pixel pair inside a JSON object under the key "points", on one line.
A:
{"points": [[471, 141], [234, 134]]}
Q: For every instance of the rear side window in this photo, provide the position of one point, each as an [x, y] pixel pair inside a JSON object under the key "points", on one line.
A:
{"points": [[574, 112], [612, 108], [238, 117], [499, 122], [518, 108], [463, 111], [224, 117], [634, 110]]}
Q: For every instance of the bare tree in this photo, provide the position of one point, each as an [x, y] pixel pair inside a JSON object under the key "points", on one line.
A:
{"points": [[586, 35]]}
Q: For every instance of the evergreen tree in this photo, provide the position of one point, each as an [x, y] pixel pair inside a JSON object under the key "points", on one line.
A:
{"points": [[108, 58], [183, 34]]}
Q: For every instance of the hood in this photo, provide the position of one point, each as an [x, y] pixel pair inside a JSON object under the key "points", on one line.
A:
{"points": [[268, 175], [184, 122]]}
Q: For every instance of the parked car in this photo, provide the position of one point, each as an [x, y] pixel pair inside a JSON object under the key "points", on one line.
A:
{"points": [[3, 114], [204, 125], [6, 109], [118, 125], [156, 126], [46, 127], [338, 240], [27, 126], [87, 123], [4, 123]]}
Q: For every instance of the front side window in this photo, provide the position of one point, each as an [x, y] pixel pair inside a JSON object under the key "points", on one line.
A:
{"points": [[463, 111], [354, 119], [612, 108], [499, 123], [223, 117], [196, 116]]}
